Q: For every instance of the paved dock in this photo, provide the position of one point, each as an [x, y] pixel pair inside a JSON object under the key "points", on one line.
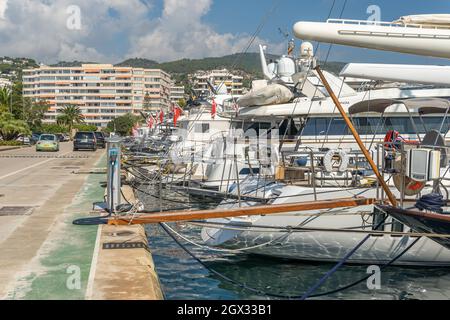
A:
{"points": [[43, 255], [39, 197], [122, 266]]}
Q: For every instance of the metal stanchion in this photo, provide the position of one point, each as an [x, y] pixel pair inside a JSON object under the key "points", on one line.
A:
{"points": [[114, 154]]}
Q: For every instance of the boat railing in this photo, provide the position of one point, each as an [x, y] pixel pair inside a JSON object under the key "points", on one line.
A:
{"points": [[386, 24]]}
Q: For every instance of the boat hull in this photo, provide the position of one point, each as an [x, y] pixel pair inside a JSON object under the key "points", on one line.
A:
{"points": [[329, 246]]}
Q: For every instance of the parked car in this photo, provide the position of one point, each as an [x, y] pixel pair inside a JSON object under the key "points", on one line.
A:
{"points": [[34, 138], [47, 142], [66, 137], [101, 140], [84, 140], [24, 139], [60, 137]]}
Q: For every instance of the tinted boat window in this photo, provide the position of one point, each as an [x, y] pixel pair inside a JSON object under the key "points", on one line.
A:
{"points": [[320, 127]]}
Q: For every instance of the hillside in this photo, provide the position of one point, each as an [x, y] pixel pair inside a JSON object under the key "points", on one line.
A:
{"points": [[70, 64], [11, 68], [248, 64]]}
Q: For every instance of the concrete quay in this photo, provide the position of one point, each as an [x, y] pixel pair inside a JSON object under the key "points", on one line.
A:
{"points": [[45, 256]]}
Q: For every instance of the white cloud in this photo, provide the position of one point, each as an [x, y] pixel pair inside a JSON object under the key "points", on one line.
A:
{"points": [[112, 30], [180, 33], [3, 7]]}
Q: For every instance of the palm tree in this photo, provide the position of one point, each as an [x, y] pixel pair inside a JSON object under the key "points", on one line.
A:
{"points": [[5, 99], [70, 115]]}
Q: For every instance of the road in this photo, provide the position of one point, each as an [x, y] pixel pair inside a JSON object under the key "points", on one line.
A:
{"points": [[43, 184]]}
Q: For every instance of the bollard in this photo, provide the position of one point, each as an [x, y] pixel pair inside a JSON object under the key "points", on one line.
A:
{"points": [[114, 182]]}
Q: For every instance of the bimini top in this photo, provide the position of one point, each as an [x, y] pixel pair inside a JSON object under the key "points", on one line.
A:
{"points": [[422, 106]]}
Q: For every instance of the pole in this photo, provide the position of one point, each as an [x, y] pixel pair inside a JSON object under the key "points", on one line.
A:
{"points": [[355, 134], [114, 179]]}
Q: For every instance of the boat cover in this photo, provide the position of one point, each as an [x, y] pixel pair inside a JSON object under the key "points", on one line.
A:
{"points": [[426, 19], [271, 94]]}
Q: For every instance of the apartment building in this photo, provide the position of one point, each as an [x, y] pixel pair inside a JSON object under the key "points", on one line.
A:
{"points": [[177, 93], [218, 78], [102, 91], [5, 83]]}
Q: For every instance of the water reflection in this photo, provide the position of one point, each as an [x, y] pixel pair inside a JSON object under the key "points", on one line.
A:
{"points": [[183, 278]]}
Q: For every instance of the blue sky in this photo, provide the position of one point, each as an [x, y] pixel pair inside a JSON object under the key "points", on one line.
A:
{"points": [[165, 30], [290, 11]]}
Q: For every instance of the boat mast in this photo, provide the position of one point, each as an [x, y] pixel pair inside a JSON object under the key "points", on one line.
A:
{"points": [[355, 134]]}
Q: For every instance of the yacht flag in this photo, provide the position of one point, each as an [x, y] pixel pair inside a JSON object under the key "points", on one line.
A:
{"points": [[213, 109]]}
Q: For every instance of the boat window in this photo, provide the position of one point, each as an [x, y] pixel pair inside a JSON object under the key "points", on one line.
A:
{"points": [[320, 127], [378, 217], [201, 127], [247, 171], [397, 226]]}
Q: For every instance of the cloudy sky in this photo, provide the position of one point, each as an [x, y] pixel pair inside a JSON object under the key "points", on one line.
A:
{"points": [[165, 30]]}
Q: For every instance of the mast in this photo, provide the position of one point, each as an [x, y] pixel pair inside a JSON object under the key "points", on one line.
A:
{"points": [[355, 134]]}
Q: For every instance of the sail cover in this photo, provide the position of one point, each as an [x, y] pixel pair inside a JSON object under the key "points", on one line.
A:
{"points": [[426, 19]]}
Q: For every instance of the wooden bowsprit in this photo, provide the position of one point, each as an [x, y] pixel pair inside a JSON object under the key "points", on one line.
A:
{"points": [[179, 216]]}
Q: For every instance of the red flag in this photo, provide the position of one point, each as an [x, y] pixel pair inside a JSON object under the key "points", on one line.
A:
{"points": [[135, 130], [176, 115], [213, 109], [161, 116], [150, 121]]}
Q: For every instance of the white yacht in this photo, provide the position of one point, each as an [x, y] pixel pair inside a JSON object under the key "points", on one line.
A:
{"points": [[281, 235]]}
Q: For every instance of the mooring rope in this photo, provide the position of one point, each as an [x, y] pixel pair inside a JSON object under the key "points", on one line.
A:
{"points": [[272, 295]]}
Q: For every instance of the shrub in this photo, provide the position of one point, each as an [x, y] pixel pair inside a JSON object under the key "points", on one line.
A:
{"points": [[10, 143]]}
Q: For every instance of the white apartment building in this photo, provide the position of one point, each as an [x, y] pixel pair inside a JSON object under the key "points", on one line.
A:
{"points": [[102, 91], [5, 83], [177, 93], [233, 82]]}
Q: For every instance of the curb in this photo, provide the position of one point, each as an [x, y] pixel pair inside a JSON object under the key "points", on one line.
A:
{"points": [[13, 148]]}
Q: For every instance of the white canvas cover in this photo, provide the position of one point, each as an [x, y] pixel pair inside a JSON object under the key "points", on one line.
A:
{"points": [[426, 19], [271, 94]]}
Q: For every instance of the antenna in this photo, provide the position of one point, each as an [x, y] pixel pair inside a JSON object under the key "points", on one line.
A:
{"points": [[285, 34], [291, 42]]}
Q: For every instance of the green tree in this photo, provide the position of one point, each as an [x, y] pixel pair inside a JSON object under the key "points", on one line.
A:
{"points": [[86, 127], [53, 128], [147, 102], [123, 125], [70, 116], [33, 113], [182, 103], [5, 99], [11, 128]]}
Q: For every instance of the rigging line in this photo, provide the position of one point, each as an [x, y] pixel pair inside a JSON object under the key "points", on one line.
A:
{"points": [[342, 84], [339, 264], [224, 250], [325, 62], [332, 118], [253, 38], [367, 277], [271, 295]]}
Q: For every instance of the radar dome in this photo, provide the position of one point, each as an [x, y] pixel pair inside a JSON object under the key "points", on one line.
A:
{"points": [[307, 49]]}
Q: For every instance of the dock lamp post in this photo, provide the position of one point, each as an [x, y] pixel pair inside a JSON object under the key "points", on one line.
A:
{"points": [[114, 182]]}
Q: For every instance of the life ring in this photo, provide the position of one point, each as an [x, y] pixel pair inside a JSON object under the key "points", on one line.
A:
{"points": [[393, 139], [328, 160]]}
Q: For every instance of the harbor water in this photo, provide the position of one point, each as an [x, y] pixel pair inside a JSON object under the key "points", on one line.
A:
{"points": [[182, 277]]}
